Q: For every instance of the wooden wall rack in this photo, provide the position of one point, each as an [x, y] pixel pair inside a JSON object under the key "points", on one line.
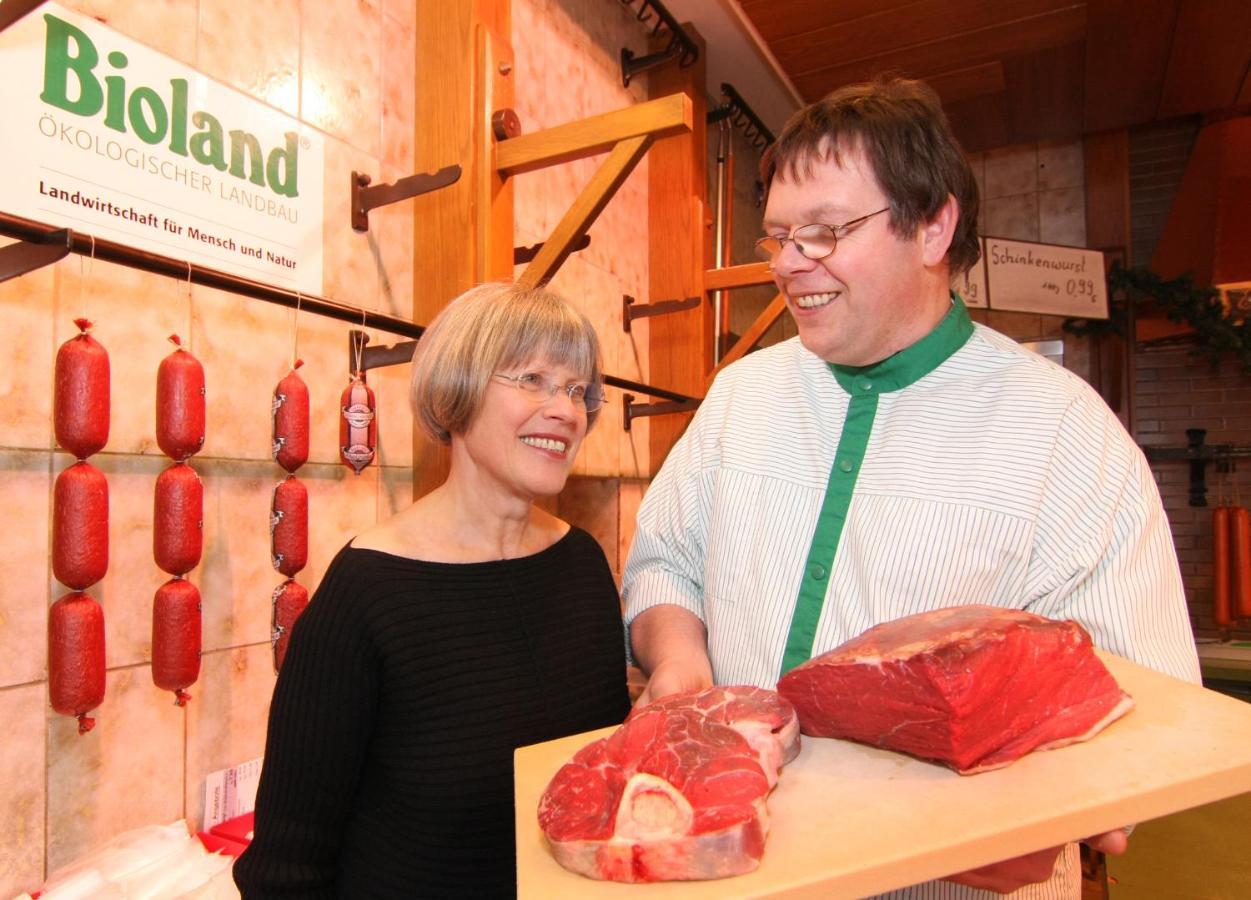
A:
{"points": [[1199, 455], [680, 46]]}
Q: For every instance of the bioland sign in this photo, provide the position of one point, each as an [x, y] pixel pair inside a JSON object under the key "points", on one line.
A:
{"points": [[106, 136]]}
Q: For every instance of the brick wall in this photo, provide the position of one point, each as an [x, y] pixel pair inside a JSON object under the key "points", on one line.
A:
{"points": [[1178, 389]]}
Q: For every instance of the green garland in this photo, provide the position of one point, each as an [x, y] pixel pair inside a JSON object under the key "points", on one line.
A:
{"points": [[1182, 301]]}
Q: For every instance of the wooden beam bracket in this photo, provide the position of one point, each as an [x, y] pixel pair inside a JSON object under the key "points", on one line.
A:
{"points": [[525, 254], [365, 198], [631, 310], [27, 256], [631, 410]]}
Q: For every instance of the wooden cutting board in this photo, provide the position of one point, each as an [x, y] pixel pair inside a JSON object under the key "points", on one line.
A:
{"points": [[849, 820]]}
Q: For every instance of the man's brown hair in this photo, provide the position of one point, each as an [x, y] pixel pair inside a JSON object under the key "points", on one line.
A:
{"points": [[900, 127]]}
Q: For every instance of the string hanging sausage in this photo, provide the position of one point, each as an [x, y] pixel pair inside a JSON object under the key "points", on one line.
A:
{"points": [[291, 420], [1240, 562], [80, 526], [358, 426], [180, 399], [288, 526], [1221, 610], [289, 601], [76, 672], [178, 519], [176, 638], [81, 397]]}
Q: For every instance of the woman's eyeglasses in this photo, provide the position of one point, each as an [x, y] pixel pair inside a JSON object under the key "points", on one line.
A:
{"points": [[540, 388]]}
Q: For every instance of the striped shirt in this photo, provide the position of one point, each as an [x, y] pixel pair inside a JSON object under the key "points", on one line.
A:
{"points": [[965, 469]]}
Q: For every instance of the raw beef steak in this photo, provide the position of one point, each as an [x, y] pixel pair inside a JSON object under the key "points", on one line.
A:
{"points": [[974, 687], [677, 793]]}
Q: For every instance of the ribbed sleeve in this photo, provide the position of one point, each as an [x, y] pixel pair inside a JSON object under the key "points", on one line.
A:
{"points": [[406, 688]]}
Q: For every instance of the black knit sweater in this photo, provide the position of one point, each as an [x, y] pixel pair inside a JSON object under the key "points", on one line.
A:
{"points": [[406, 687]]}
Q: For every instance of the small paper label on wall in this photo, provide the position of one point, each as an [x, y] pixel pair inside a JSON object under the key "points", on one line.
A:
{"points": [[230, 792]]}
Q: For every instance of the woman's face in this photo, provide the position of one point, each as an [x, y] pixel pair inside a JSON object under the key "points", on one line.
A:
{"points": [[524, 443]]}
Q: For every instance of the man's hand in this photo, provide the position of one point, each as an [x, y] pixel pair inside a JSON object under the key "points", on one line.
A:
{"points": [[673, 677], [671, 646], [1012, 874]]}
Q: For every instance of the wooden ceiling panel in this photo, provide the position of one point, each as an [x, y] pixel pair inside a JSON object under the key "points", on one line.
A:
{"points": [[776, 19], [1045, 91], [980, 123], [969, 82], [1127, 51], [1055, 29], [1209, 59], [900, 29]]}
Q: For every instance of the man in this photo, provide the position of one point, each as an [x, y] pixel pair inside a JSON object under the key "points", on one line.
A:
{"points": [[895, 457]]}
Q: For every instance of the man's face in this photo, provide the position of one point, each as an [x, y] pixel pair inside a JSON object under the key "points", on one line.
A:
{"points": [[865, 301]]}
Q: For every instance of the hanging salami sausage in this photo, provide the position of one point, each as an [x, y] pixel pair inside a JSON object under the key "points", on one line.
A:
{"points": [[80, 528], [178, 523], [288, 514], [1240, 562], [358, 427]]}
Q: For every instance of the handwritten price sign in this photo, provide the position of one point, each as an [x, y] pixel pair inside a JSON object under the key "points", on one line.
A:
{"points": [[1044, 278]]}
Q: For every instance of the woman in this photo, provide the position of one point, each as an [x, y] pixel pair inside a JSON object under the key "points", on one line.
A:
{"points": [[467, 625]]}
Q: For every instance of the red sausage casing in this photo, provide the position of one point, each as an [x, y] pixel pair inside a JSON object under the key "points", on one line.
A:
{"points": [[1221, 607], [358, 426], [289, 600], [288, 526], [81, 397], [76, 657], [1240, 562], [176, 637], [291, 421], [80, 526], [180, 404], [178, 519]]}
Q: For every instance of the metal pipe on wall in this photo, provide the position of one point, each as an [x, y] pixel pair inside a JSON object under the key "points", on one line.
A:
{"points": [[725, 197]]}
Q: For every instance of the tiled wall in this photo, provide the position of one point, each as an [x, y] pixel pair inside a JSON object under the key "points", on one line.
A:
{"points": [[146, 760]]}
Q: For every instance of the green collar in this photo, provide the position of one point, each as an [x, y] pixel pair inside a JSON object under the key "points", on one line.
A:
{"points": [[912, 363]]}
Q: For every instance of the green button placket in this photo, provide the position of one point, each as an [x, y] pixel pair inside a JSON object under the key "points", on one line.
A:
{"points": [[847, 461]]}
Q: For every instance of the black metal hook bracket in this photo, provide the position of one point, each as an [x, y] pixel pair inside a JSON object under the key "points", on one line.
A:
{"points": [[365, 198], [742, 116], [522, 255], [1199, 455], [631, 310], [631, 410], [27, 256], [680, 46], [377, 357]]}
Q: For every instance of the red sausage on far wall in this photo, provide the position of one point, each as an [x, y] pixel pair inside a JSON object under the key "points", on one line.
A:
{"points": [[81, 397], [180, 404], [290, 410], [1221, 609], [178, 519], [176, 638], [76, 657], [289, 600], [1240, 559], [288, 526], [80, 526]]}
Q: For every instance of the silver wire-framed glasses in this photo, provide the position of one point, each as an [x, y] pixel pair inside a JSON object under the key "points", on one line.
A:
{"points": [[815, 241], [539, 388]]}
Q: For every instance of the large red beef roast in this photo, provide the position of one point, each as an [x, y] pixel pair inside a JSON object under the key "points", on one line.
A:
{"points": [[974, 687], [677, 793]]}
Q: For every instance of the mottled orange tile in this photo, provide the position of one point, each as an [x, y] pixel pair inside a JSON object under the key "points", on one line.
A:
{"points": [[26, 386], [165, 25], [25, 579], [226, 722], [341, 54], [253, 48], [246, 346], [23, 801], [395, 490], [591, 504], [125, 773], [345, 505], [349, 263], [399, 97]]}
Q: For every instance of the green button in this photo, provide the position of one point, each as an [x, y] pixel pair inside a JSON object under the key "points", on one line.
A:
{"points": [[845, 464], [866, 384], [817, 572]]}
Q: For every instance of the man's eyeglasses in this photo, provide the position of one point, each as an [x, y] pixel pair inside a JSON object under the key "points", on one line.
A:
{"points": [[539, 388], [813, 241]]}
